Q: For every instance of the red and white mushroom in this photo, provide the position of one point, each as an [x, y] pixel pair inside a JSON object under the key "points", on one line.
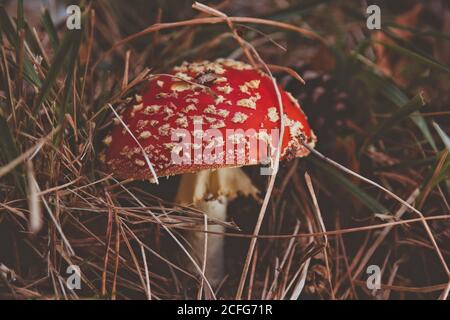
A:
{"points": [[187, 122]]}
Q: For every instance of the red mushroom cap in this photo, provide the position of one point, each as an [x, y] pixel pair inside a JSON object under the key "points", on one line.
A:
{"points": [[226, 95]]}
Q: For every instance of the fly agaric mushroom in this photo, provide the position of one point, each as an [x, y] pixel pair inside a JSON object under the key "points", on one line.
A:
{"points": [[212, 113]]}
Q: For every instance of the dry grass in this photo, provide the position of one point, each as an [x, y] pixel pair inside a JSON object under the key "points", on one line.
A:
{"points": [[318, 228]]}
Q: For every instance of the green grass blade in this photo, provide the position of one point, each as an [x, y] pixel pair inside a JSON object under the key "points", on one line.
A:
{"points": [[10, 33], [7, 27], [49, 27], [398, 98], [370, 202], [33, 44], [73, 56], [442, 177], [419, 32], [8, 152], [20, 16], [57, 66], [420, 58], [445, 138], [432, 179], [411, 106], [20, 49]]}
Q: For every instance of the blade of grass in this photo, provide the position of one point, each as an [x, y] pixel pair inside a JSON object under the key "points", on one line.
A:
{"points": [[398, 98], [50, 29], [419, 32], [445, 138], [7, 81], [32, 42], [384, 127], [444, 172], [420, 58], [69, 86], [57, 65], [436, 176], [370, 202], [11, 34], [20, 48], [20, 16], [8, 152]]}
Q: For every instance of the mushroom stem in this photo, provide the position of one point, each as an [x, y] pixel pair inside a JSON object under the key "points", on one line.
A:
{"points": [[215, 264], [210, 191]]}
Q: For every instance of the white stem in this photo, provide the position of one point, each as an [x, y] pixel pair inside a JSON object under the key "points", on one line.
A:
{"points": [[210, 191], [215, 263]]}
